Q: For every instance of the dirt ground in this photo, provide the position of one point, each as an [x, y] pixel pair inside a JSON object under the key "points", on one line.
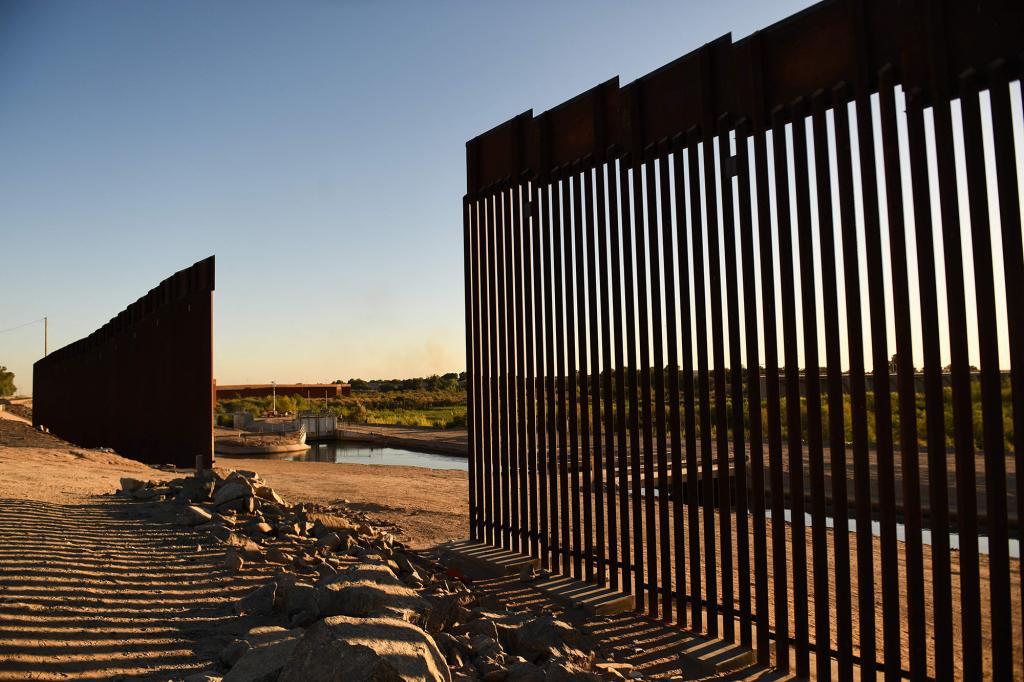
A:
{"points": [[94, 587], [429, 506], [91, 586]]}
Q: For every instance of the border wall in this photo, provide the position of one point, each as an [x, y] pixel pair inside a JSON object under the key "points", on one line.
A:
{"points": [[141, 384]]}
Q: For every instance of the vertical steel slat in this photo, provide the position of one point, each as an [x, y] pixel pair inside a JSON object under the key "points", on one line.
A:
{"points": [[469, 285], [501, 339], [963, 436], [508, 499], [650, 539], [606, 378], [657, 370], [582, 211], [858, 389], [833, 362], [773, 408], [617, 198], [571, 209], [522, 356], [562, 419], [812, 390], [991, 383], [910, 463], [668, 228], [1013, 267], [541, 369], [552, 366], [692, 491], [938, 502], [721, 413], [761, 633], [793, 425], [519, 479], [739, 449], [478, 369], [530, 277], [706, 452], [482, 373], [634, 416], [494, 442], [597, 545], [885, 469]]}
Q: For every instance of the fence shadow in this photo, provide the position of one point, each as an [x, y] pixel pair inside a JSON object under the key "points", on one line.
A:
{"points": [[98, 590]]}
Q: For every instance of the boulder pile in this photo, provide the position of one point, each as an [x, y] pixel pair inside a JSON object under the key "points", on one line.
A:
{"points": [[349, 601]]}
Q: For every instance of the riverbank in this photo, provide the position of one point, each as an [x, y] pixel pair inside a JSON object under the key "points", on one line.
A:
{"points": [[418, 438]]}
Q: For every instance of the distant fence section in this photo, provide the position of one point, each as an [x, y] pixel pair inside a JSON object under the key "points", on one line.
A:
{"points": [[141, 384], [694, 308]]}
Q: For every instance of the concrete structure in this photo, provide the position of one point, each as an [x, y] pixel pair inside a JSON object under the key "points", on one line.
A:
{"points": [[318, 426], [312, 391]]}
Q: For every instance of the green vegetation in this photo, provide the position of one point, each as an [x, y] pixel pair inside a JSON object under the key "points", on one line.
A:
{"points": [[437, 401], [440, 401], [7, 386]]}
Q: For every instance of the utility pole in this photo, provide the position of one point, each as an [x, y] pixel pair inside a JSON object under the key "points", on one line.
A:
{"points": [[273, 391], [46, 337]]}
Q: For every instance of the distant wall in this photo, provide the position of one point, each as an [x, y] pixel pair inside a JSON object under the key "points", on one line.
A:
{"points": [[141, 384], [229, 392]]}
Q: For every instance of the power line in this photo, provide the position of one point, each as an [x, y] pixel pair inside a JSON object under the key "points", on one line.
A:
{"points": [[11, 329]]}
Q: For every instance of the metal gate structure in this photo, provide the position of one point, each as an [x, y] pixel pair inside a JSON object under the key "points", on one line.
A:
{"points": [[141, 384], [694, 307]]}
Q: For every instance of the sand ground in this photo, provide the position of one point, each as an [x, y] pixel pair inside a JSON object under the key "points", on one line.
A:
{"points": [[96, 587], [93, 587]]}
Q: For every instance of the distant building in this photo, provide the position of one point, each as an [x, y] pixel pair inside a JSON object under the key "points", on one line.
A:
{"points": [[313, 391]]}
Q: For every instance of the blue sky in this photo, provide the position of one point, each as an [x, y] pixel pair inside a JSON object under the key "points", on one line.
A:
{"points": [[317, 148]]}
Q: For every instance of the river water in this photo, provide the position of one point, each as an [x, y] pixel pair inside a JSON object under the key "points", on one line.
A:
{"points": [[345, 452]]}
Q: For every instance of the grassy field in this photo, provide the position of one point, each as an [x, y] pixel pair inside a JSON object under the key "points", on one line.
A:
{"points": [[438, 401]]}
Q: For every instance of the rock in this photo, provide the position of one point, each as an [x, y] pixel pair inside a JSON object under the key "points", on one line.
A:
{"points": [[365, 650], [231, 491], [265, 492], [491, 667], [326, 522], [259, 602], [535, 637], [442, 611], [485, 646], [524, 672], [453, 648], [241, 542], [367, 589], [143, 493], [329, 540], [276, 555], [130, 485], [300, 604], [242, 505], [233, 561], [230, 654], [195, 490], [563, 671], [264, 661], [350, 600], [325, 570], [194, 516]]}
